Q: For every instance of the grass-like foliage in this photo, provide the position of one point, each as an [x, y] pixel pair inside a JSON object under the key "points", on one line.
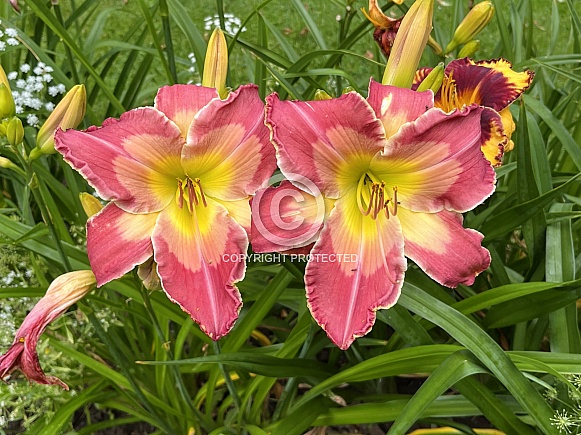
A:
{"points": [[503, 353]]}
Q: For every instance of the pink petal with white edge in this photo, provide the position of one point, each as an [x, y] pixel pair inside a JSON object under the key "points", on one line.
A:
{"points": [[286, 217], [117, 241], [228, 146], [330, 142], [395, 106], [344, 294], [134, 161], [200, 257], [438, 243], [181, 103], [436, 163]]}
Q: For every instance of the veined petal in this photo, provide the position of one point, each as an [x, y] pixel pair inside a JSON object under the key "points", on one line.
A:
{"points": [[493, 139], [200, 257], [181, 103], [239, 210], [117, 241], [286, 217], [331, 142], [134, 161], [436, 163], [228, 146], [449, 253], [344, 292], [395, 106], [490, 83]]}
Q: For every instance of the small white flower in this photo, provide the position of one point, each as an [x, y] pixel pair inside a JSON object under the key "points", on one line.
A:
{"points": [[49, 106], [61, 88], [53, 91], [25, 67], [1, 33], [41, 65], [32, 120], [12, 41], [2, 46], [47, 77], [19, 109], [13, 33], [12, 75], [38, 71], [48, 69], [20, 83], [562, 421]]}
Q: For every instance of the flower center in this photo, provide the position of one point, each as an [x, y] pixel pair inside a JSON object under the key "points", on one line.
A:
{"points": [[190, 192], [372, 197], [448, 95]]}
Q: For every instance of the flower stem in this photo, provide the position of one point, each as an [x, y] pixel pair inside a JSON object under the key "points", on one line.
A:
{"points": [[230, 384]]}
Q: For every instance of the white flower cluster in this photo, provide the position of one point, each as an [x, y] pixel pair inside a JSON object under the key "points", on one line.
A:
{"points": [[28, 90], [231, 23], [8, 37], [192, 58]]}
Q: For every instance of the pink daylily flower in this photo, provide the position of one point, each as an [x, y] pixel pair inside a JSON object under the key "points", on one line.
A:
{"points": [[63, 292], [179, 176], [397, 173]]}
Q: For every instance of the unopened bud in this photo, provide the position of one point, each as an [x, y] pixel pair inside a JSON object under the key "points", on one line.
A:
{"points": [[90, 204], [6, 163], [322, 95], [14, 131], [433, 80], [216, 63], [7, 107], [469, 49], [478, 17], [147, 272], [67, 114], [409, 45]]}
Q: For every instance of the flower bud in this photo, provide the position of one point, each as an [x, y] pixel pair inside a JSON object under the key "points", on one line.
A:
{"points": [[6, 163], [14, 131], [7, 107], [322, 95], [409, 45], [90, 204], [147, 272], [469, 49], [478, 17], [433, 80], [67, 114], [216, 63]]}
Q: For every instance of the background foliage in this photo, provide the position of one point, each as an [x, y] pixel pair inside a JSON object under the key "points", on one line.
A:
{"points": [[502, 353]]}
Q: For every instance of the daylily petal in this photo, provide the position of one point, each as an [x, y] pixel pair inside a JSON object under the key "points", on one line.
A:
{"points": [[134, 161], [117, 241], [435, 162], [228, 146], [239, 210], [508, 126], [181, 103], [447, 252], [343, 294], [488, 83], [395, 106], [200, 258], [331, 142], [493, 139], [286, 217]]}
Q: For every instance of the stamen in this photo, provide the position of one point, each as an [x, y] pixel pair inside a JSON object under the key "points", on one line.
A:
{"points": [[180, 194], [371, 199], [395, 203], [199, 183], [192, 197]]}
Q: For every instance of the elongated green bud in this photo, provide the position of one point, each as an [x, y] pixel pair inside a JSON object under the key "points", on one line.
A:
{"points": [[469, 49], [7, 107], [216, 63], [409, 45], [433, 80], [476, 20], [14, 131], [6, 163], [67, 114]]}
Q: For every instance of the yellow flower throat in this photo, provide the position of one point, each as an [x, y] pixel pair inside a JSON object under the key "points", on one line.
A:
{"points": [[372, 197], [190, 191]]}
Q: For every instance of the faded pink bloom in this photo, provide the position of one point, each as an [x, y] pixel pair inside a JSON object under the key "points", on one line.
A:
{"points": [[61, 294]]}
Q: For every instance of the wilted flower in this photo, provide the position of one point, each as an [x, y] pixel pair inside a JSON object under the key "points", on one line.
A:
{"points": [[61, 294]]}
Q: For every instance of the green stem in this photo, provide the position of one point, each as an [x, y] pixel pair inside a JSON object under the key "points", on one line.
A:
{"points": [[175, 369], [71, 59], [164, 12], [230, 385]]}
